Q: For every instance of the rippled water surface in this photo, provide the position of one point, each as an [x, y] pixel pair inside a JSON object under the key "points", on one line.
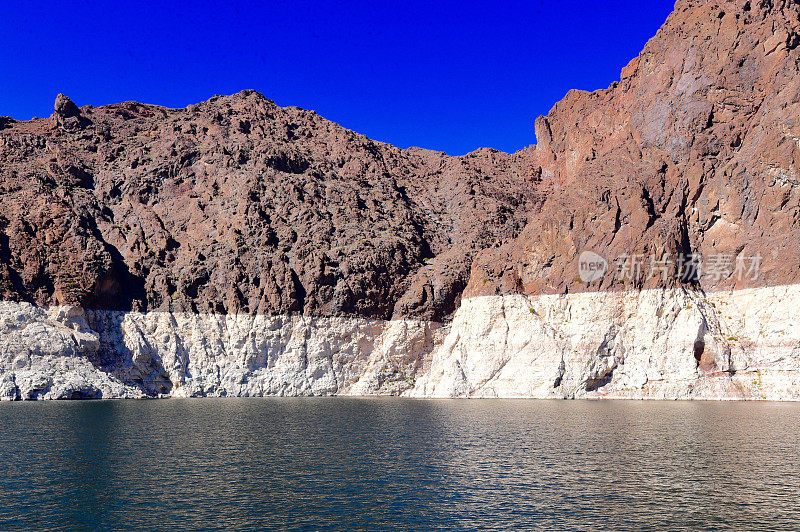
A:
{"points": [[350, 464]]}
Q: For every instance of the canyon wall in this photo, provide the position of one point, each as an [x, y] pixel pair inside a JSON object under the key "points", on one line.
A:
{"points": [[651, 344]]}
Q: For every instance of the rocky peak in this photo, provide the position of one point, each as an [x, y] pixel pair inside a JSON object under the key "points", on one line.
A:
{"points": [[238, 205], [65, 108], [66, 115], [692, 152]]}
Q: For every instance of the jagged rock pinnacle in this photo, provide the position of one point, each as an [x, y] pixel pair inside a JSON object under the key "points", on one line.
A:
{"points": [[65, 108]]}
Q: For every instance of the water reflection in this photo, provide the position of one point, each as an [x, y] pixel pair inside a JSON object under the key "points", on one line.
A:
{"points": [[356, 464]]}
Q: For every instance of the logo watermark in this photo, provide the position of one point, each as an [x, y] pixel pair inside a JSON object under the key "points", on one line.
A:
{"points": [[591, 266], [690, 267]]}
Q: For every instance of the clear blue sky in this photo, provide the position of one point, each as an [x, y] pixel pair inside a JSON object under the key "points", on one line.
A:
{"points": [[453, 76]]}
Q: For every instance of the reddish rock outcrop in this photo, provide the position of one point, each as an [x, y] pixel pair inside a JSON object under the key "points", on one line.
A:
{"points": [[694, 151], [238, 205]]}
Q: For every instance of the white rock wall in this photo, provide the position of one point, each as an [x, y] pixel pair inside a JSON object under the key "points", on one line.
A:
{"points": [[41, 356], [241, 355], [661, 344], [671, 344]]}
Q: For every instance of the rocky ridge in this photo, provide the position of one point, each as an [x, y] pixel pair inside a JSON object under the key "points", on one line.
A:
{"points": [[694, 151], [236, 205]]}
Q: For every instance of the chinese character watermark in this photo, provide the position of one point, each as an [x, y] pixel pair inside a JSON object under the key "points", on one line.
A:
{"points": [[686, 267]]}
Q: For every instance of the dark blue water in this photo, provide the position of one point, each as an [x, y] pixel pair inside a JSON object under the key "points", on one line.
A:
{"points": [[394, 464]]}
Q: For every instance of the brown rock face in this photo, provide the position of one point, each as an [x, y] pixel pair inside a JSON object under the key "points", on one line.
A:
{"points": [[238, 205], [694, 151], [65, 108]]}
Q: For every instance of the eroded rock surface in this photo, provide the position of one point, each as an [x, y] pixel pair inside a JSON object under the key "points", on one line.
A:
{"points": [[649, 344], [694, 151], [236, 205], [46, 356]]}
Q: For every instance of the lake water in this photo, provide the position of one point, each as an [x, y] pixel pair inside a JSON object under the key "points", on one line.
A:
{"points": [[393, 464]]}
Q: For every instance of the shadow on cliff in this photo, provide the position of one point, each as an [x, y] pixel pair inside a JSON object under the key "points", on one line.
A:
{"points": [[9, 275], [117, 293], [118, 288], [135, 362]]}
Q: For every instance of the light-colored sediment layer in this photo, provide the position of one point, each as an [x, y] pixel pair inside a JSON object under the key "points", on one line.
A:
{"points": [[129, 354], [670, 344], [660, 344]]}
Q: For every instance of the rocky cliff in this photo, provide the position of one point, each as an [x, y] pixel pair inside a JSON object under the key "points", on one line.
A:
{"points": [[239, 248], [694, 151], [236, 205]]}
